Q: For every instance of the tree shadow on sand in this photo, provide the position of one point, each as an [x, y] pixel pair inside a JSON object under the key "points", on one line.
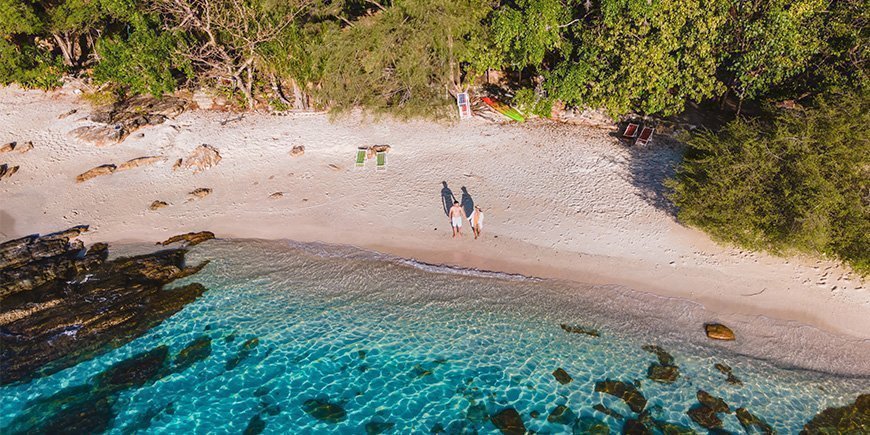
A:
{"points": [[648, 168]]}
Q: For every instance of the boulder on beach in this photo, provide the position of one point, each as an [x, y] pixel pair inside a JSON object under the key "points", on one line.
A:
{"points": [[297, 150], [156, 205], [189, 239], [7, 171], [99, 135], [562, 376], [276, 195], [201, 158], [96, 172], [14, 146], [200, 193], [718, 331], [139, 161], [7, 147]]}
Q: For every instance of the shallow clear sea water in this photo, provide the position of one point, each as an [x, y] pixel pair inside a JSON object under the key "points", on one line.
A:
{"points": [[393, 341]]}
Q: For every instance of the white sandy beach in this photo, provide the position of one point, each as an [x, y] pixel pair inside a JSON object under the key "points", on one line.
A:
{"points": [[561, 201]]}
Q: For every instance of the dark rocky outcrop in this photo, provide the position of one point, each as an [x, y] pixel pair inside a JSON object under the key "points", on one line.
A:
{"points": [[189, 239], [476, 413], [562, 376], [752, 423], [61, 304], [718, 331], [726, 370], [854, 418], [134, 372], [574, 329], [7, 171], [625, 391], [509, 422], [324, 410]]}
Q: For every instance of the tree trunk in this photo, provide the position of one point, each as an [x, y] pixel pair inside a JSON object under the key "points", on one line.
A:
{"points": [[65, 47], [276, 88], [299, 102]]}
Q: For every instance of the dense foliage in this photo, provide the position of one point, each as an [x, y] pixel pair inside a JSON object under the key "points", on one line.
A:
{"points": [[800, 182], [409, 56]]}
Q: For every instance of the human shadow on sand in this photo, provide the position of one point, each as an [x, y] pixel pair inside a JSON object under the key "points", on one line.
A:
{"points": [[447, 198], [466, 202]]}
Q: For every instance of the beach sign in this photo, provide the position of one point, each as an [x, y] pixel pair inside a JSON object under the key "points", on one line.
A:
{"points": [[464, 105]]}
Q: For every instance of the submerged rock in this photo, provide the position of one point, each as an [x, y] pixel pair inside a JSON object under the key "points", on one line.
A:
{"points": [[189, 239], [574, 329], [625, 391], [378, 427], [419, 371], [590, 426], [196, 351], [243, 354], [255, 426], [712, 402], [476, 413], [663, 356], [635, 427], [509, 422], [60, 304], [324, 411], [562, 376], [705, 417], [607, 411], [664, 374], [726, 370], [134, 372], [718, 331], [752, 423], [667, 428], [854, 418], [561, 414], [92, 416]]}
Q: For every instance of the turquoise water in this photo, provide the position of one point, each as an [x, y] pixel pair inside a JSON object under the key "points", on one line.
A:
{"points": [[412, 346]]}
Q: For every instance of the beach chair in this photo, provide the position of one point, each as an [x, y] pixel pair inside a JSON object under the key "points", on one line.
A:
{"points": [[630, 131], [360, 158], [382, 161], [645, 136]]}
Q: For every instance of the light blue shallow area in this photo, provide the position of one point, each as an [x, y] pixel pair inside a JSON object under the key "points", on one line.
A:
{"points": [[389, 341]]}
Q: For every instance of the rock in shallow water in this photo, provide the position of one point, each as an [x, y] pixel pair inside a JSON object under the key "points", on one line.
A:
{"points": [[712, 402], [726, 370], [561, 414], [853, 418], [752, 423], [509, 422], [198, 350], [625, 391], [378, 427], [324, 410], [574, 329], [562, 376], [59, 307], [705, 416], [664, 374], [255, 426], [189, 239], [663, 356], [134, 372]]}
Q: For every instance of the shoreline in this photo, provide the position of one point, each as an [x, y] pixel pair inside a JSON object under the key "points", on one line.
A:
{"points": [[562, 202]]}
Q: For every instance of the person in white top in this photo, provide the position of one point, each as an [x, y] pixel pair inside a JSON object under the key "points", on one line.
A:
{"points": [[476, 221]]}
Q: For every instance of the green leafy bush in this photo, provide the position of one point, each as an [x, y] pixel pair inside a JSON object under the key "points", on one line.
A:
{"points": [[28, 66], [799, 183]]}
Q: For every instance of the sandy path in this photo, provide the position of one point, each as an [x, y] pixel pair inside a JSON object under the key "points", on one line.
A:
{"points": [[560, 201]]}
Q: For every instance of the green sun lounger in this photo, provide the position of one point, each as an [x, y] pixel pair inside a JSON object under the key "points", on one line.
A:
{"points": [[360, 158], [382, 161]]}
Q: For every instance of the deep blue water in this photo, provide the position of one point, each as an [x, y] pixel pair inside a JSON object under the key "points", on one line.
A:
{"points": [[413, 347]]}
